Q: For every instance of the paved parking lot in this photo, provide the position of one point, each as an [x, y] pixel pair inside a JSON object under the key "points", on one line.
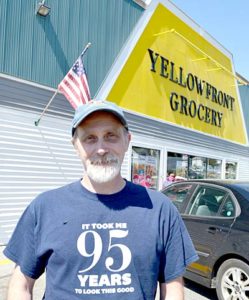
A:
{"points": [[192, 291]]}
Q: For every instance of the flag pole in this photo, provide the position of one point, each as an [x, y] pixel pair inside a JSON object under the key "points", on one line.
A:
{"points": [[45, 109], [56, 92], [85, 49]]}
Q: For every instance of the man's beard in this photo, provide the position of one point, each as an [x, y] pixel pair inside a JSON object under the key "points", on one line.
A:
{"points": [[102, 169]]}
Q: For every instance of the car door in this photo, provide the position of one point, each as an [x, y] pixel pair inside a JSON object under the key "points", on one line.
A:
{"points": [[208, 217]]}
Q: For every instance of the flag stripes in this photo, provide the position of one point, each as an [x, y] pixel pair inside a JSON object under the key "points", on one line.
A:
{"points": [[74, 86]]}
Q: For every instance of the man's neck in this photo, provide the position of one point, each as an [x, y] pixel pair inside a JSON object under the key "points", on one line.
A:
{"points": [[108, 188]]}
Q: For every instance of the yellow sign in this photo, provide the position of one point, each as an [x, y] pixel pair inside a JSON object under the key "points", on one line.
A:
{"points": [[176, 75]]}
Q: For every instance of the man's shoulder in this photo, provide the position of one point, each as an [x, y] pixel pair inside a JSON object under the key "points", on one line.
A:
{"points": [[159, 197], [58, 193], [155, 196], [61, 189]]}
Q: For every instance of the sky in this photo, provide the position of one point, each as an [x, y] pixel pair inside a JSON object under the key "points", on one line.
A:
{"points": [[225, 20]]}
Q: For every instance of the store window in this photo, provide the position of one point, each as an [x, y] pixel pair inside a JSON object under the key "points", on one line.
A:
{"points": [[214, 168], [177, 164], [193, 167], [197, 167], [231, 170], [145, 167]]}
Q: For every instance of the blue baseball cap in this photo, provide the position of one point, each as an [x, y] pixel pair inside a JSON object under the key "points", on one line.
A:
{"points": [[92, 106]]}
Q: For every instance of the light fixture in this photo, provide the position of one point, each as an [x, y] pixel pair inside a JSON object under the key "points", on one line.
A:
{"points": [[42, 9], [143, 3]]}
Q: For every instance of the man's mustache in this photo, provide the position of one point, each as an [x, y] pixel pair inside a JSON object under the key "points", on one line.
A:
{"points": [[104, 160]]}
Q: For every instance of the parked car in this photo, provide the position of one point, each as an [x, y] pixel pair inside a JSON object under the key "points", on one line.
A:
{"points": [[216, 214]]}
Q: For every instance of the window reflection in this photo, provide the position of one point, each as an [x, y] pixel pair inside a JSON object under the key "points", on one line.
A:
{"points": [[194, 167], [145, 167], [231, 170], [178, 194]]}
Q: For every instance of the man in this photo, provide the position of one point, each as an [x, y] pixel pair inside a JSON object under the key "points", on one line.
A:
{"points": [[101, 237]]}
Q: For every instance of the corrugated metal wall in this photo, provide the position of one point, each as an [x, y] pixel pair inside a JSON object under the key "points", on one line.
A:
{"points": [[42, 49], [244, 96], [32, 158], [243, 168], [196, 140]]}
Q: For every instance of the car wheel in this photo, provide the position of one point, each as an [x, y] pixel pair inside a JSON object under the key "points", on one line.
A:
{"points": [[233, 280]]}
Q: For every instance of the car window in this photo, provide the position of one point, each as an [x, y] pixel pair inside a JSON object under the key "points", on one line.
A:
{"points": [[228, 208], [178, 194], [207, 202]]}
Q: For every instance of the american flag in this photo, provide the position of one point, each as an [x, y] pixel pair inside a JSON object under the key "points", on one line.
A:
{"points": [[74, 86]]}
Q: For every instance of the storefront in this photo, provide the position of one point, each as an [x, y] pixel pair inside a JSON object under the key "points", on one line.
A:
{"points": [[175, 83], [151, 159], [179, 90]]}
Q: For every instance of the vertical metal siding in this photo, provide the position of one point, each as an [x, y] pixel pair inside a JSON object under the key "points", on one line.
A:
{"points": [[244, 96], [43, 49], [24, 47], [3, 18]]}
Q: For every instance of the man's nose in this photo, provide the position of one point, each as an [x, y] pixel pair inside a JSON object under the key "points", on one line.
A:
{"points": [[102, 147]]}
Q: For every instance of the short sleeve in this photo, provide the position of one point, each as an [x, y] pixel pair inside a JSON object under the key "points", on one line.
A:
{"points": [[178, 248], [22, 246]]}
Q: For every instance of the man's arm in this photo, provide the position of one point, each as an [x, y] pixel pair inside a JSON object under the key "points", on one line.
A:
{"points": [[173, 290], [20, 286]]}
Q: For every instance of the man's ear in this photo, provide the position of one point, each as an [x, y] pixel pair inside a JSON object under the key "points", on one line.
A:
{"points": [[75, 144], [73, 141], [128, 140]]}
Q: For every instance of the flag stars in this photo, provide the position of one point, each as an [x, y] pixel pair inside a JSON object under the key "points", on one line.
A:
{"points": [[74, 86]]}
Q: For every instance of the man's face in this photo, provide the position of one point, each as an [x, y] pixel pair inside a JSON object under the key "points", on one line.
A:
{"points": [[101, 142]]}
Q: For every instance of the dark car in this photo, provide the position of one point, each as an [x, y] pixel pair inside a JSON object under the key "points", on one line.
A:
{"points": [[216, 214]]}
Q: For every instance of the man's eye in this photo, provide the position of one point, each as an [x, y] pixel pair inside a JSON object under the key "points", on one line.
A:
{"points": [[111, 136], [90, 139]]}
